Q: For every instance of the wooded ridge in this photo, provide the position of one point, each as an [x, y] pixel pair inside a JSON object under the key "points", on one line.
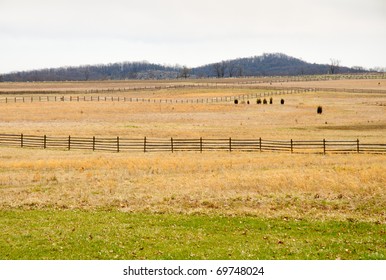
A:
{"points": [[274, 64]]}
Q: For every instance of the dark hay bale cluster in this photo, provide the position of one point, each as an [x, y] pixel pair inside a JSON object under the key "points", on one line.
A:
{"points": [[263, 101], [319, 110], [236, 101], [259, 101]]}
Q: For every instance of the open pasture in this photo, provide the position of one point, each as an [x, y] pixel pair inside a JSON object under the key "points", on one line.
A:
{"points": [[346, 116], [267, 184], [125, 85], [275, 187]]}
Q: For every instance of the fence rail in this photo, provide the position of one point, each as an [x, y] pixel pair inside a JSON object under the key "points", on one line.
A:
{"points": [[271, 91], [89, 98], [121, 144]]}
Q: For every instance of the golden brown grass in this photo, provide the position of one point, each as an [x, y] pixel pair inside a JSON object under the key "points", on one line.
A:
{"points": [[363, 116], [263, 184], [82, 86], [266, 184]]}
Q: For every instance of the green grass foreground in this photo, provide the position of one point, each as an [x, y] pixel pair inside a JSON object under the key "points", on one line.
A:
{"points": [[54, 234]]}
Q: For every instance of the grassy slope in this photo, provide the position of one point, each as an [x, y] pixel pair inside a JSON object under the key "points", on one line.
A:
{"points": [[44, 234]]}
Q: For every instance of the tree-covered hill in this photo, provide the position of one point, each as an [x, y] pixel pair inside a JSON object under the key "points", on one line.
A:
{"points": [[275, 64]]}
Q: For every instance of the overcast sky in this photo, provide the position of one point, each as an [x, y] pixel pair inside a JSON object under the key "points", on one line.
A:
{"points": [[38, 34]]}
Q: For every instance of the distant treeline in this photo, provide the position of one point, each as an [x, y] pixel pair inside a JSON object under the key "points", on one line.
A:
{"points": [[113, 71], [276, 64]]}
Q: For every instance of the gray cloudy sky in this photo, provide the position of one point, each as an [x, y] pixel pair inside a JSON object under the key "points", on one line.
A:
{"points": [[37, 34]]}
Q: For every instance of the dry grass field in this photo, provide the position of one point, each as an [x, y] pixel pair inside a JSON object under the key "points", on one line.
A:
{"points": [[186, 182], [268, 185], [345, 116], [74, 86]]}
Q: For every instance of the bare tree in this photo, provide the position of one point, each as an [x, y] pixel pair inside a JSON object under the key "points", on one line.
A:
{"points": [[86, 73], [239, 71], [334, 65], [232, 69], [224, 66], [184, 73], [219, 69]]}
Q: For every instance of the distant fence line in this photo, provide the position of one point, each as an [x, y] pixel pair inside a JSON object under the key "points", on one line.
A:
{"points": [[122, 144], [232, 85], [228, 83], [66, 98], [277, 91]]}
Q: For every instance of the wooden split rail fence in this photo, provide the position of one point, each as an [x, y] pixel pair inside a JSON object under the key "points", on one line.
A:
{"points": [[67, 98], [121, 144]]}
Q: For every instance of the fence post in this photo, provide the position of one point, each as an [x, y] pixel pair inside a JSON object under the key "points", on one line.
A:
{"points": [[358, 146], [171, 144], [117, 144], [260, 144], [69, 142], [144, 144], [324, 146], [21, 140], [200, 144], [45, 141], [93, 143], [230, 144], [292, 146]]}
